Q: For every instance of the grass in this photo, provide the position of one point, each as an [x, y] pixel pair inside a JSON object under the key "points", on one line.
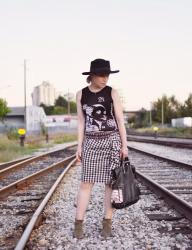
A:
{"points": [[173, 132], [65, 138], [10, 149]]}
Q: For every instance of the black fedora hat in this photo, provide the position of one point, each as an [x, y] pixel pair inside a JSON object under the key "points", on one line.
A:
{"points": [[100, 66]]}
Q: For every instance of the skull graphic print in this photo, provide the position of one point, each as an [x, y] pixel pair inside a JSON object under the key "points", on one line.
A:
{"points": [[96, 118]]}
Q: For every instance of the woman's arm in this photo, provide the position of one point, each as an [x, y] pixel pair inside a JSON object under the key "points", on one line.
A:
{"points": [[81, 124], [120, 121]]}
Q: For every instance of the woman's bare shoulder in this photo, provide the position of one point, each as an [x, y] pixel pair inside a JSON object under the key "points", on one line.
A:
{"points": [[114, 92], [78, 94]]}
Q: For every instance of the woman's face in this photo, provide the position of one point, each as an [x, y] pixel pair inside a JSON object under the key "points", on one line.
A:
{"points": [[100, 80]]}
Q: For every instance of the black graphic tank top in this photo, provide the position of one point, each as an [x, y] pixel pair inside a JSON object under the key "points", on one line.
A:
{"points": [[98, 110]]}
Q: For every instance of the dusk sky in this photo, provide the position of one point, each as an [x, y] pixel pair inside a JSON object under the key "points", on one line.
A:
{"points": [[149, 41]]}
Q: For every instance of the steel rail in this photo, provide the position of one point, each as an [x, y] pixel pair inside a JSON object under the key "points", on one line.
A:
{"points": [[9, 163], [177, 144], [34, 158], [20, 183], [183, 164], [179, 204], [151, 134], [37, 216]]}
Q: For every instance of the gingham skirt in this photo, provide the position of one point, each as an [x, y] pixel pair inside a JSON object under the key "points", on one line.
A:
{"points": [[100, 154]]}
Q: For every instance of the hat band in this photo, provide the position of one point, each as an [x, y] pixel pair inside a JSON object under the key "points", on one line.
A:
{"points": [[99, 70]]}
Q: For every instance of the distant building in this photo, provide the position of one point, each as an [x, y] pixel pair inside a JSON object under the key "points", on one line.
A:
{"points": [[61, 123], [183, 122], [35, 117], [44, 93]]}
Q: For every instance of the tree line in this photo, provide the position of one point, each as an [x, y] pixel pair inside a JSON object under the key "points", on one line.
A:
{"points": [[4, 110], [172, 108], [61, 106], [169, 106]]}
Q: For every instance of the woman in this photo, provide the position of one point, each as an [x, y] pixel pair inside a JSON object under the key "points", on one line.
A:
{"points": [[101, 140]]}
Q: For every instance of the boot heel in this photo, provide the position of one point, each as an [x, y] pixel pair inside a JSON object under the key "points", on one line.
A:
{"points": [[78, 229], [106, 230]]}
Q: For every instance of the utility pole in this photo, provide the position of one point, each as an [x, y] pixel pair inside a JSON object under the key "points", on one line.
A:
{"points": [[150, 118], [68, 102], [25, 96], [162, 112], [150, 114]]}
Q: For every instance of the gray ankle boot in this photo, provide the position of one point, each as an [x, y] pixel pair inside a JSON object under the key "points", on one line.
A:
{"points": [[78, 229], [106, 230]]}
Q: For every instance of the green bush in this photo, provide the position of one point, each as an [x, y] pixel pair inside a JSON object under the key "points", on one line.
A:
{"points": [[12, 134]]}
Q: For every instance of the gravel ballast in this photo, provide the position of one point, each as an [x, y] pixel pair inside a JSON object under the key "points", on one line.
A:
{"points": [[177, 154], [132, 229]]}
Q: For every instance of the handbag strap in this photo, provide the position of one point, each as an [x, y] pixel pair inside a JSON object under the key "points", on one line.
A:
{"points": [[126, 162]]}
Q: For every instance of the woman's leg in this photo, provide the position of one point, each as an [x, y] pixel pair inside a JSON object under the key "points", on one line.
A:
{"points": [[83, 199], [107, 220], [107, 203]]}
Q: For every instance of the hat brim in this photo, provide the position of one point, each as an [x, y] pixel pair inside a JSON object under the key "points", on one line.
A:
{"points": [[109, 72]]}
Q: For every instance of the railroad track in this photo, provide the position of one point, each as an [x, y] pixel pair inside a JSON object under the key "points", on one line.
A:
{"points": [[168, 178], [23, 186], [10, 163], [150, 169], [166, 141], [16, 174], [151, 134], [133, 230]]}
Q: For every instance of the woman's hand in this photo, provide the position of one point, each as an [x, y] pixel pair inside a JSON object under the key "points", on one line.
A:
{"points": [[78, 153], [124, 152]]}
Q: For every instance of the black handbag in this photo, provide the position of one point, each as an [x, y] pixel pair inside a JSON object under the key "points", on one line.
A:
{"points": [[125, 189]]}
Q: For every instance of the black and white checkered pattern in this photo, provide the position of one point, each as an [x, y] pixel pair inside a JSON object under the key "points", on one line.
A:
{"points": [[100, 154]]}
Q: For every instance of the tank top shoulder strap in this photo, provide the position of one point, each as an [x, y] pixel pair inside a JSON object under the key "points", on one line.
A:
{"points": [[108, 90], [83, 95]]}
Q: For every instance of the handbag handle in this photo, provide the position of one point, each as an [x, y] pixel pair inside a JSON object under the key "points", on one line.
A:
{"points": [[127, 161]]}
